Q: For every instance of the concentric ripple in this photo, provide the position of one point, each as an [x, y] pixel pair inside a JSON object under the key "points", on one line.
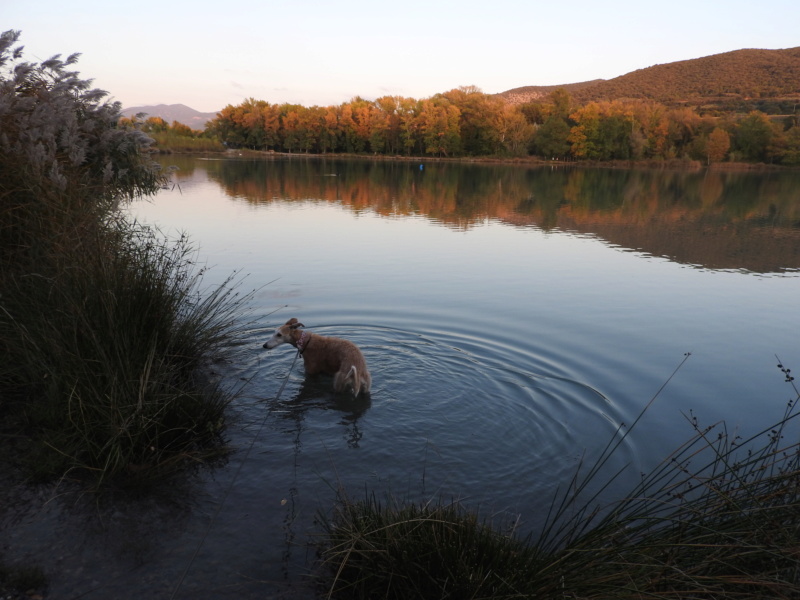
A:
{"points": [[448, 414]]}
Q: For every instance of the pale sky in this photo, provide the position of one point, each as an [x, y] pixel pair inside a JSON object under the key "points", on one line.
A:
{"points": [[209, 54]]}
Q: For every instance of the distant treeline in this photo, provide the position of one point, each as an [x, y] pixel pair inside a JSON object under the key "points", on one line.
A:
{"points": [[465, 122]]}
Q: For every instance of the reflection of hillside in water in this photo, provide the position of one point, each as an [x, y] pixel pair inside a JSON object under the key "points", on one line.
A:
{"points": [[715, 220]]}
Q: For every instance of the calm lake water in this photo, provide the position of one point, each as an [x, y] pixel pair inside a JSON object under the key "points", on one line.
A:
{"points": [[512, 319]]}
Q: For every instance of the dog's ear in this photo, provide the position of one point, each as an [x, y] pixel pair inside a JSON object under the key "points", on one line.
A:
{"points": [[296, 325]]}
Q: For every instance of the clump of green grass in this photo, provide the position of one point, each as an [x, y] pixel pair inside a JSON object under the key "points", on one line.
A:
{"points": [[431, 551], [108, 353], [719, 518]]}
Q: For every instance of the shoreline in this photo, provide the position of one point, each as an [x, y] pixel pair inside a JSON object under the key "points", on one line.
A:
{"points": [[677, 164]]}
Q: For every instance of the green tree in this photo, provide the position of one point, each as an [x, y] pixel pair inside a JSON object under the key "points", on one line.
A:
{"points": [[551, 138], [479, 115], [791, 154], [753, 136]]}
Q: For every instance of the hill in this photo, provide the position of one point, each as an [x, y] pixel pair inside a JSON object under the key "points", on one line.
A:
{"points": [[531, 93], [173, 112], [745, 76]]}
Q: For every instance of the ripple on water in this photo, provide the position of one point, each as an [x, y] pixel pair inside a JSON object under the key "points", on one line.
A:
{"points": [[447, 413]]}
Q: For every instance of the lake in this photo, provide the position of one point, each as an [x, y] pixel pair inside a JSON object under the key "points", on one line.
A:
{"points": [[513, 318]]}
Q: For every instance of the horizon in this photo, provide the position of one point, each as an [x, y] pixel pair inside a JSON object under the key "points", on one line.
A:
{"points": [[316, 54]]}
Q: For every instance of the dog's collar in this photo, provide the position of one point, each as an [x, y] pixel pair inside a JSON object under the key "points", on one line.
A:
{"points": [[301, 343]]}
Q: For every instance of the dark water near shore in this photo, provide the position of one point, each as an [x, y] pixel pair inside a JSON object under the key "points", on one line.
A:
{"points": [[512, 319]]}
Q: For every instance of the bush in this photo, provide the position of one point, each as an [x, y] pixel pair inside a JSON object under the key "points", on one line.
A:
{"points": [[103, 326]]}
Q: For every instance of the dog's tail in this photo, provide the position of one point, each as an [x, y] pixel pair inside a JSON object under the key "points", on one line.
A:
{"points": [[353, 380]]}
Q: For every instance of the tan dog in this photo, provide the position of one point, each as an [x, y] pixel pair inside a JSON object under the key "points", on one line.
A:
{"points": [[334, 356]]}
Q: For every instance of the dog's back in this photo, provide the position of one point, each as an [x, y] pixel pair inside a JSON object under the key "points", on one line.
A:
{"points": [[340, 358]]}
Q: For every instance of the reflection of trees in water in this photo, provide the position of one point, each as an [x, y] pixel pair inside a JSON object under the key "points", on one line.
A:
{"points": [[714, 219]]}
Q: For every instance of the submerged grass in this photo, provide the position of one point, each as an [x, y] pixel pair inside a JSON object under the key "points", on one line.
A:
{"points": [[718, 518]]}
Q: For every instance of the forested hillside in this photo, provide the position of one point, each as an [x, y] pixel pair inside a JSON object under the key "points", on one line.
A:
{"points": [[742, 79]]}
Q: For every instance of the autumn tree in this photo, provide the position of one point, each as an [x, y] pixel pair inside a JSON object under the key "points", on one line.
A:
{"points": [[654, 127], [439, 124], [329, 130], [684, 124], [155, 125], [514, 131], [478, 118], [270, 124], [408, 112], [585, 134], [291, 126], [389, 106], [179, 128], [717, 146], [226, 127]]}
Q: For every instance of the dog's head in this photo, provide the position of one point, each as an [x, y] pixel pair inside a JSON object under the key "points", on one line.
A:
{"points": [[284, 334]]}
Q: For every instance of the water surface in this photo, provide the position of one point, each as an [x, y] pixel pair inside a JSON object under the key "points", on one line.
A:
{"points": [[512, 318]]}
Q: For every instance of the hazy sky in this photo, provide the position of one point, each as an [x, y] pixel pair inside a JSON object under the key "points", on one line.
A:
{"points": [[209, 54]]}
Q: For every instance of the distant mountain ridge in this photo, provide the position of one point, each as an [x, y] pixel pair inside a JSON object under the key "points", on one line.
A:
{"points": [[173, 112], [744, 74]]}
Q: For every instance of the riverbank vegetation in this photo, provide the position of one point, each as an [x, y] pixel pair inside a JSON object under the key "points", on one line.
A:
{"points": [[718, 518], [465, 122], [103, 322], [176, 137]]}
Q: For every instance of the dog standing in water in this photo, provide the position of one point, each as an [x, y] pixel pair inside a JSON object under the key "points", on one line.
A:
{"points": [[321, 354]]}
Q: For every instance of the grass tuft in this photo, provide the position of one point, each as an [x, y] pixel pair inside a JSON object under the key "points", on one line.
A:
{"points": [[107, 356], [428, 551]]}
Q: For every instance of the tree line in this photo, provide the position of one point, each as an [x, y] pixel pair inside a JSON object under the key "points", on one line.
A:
{"points": [[466, 122]]}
